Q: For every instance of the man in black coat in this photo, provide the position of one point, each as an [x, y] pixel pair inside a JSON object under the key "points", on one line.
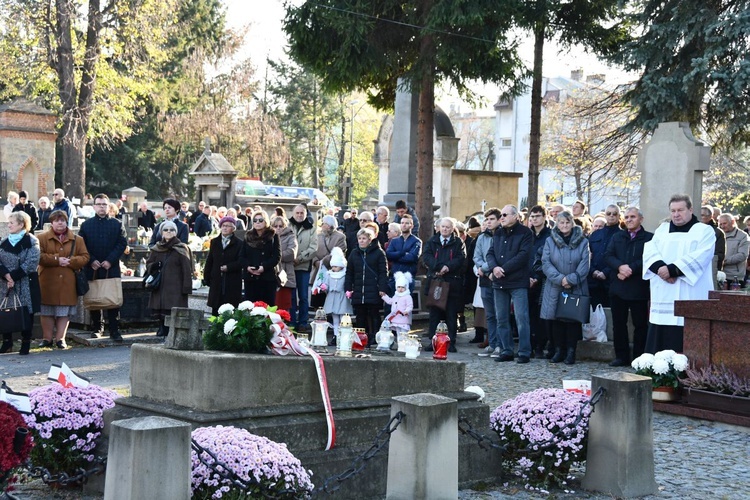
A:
{"points": [[508, 258], [106, 241], [444, 256], [24, 205], [146, 218], [539, 327], [628, 291]]}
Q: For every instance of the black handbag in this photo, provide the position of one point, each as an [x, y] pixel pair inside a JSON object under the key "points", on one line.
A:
{"points": [[573, 307], [152, 281], [13, 318], [82, 282]]}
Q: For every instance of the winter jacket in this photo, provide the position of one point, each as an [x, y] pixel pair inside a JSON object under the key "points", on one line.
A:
{"points": [[307, 243], [66, 207], [105, 240], [623, 250], [564, 260], [260, 250], [147, 219], [223, 287], [598, 241], [326, 242], [403, 254], [401, 309], [511, 248], [367, 274], [351, 227], [183, 233], [537, 249], [21, 262], [414, 218], [176, 264], [484, 242], [202, 225], [453, 255], [30, 210], [42, 218], [735, 260], [58, 284], [288, 243]]}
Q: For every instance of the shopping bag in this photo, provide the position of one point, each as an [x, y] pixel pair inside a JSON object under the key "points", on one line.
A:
{"points": [[103, 294], [437, 295], [596, 329]]}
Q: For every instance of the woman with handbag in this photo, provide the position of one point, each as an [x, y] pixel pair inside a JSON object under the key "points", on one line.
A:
{"points": [[565, 263], [222, 271], [289, 246], [62, 254], [19, 260], [367, 281], [259, 257], [170, 260]]}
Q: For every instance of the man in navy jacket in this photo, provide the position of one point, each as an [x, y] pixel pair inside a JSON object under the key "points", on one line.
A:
{"points": [[403, 253], [508, 258]]}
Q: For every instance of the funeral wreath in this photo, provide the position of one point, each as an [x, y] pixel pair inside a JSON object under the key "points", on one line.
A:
{"points": [[248, 328]]}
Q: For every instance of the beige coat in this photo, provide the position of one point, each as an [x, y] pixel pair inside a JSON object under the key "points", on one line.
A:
{"points": [[326, 242]]}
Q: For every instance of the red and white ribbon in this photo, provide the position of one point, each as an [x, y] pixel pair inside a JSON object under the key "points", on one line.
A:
{"points": [[284, 343]]}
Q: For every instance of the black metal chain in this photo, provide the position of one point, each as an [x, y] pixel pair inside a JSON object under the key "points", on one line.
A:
{"points": [[382, 438], [333, 483], [80, 476], [563, 432]]}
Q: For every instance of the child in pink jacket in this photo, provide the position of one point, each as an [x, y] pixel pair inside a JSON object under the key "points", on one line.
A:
{"points": [[401, 303]]}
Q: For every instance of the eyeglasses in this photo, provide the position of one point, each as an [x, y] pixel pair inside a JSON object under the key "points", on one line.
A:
{"points": [[611, 213], [506, 215], [168, 230], [255, 221], [101, 204], [279, 227]]}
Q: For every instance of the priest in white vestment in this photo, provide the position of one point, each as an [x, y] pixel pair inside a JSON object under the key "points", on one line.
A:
{"points": [[677, 263]]}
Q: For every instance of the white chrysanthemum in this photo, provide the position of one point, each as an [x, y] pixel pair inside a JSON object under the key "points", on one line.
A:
{"points": [[245, 305], [230, 325], [680, 362], [226, 308], [661, 366], [258, 311], [667, 354], [644, 361]]}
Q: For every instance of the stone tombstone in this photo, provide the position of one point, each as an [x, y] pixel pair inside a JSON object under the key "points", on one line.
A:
{"points": [[133, 197], [27, 148], [672, 162], [214, 178]]}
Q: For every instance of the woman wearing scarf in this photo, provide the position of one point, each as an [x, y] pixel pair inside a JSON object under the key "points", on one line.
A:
{"points": [[172, 259], [223, 272], [57, 266], [19, 259], [259, 257]]}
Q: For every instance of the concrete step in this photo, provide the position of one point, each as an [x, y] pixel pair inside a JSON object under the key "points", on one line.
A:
{"points": [[85, 337]]}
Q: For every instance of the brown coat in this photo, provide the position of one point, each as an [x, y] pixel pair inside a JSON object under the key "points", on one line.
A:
{"points": [[325, 245], [176, 277], [58, 284]]}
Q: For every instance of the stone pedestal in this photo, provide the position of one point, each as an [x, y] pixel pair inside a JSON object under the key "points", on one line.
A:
{"points": [[717, 330], [672, 162], [148, 458], [402, 168], [620, 458], [423, 451]]}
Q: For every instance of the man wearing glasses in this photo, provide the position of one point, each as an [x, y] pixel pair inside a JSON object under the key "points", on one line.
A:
{"points": [[171, 209], [599, 271], [106, 241], [508, 260]]}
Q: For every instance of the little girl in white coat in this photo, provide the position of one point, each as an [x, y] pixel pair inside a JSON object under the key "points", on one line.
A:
{"points": [[401, 303], [337, 303]]}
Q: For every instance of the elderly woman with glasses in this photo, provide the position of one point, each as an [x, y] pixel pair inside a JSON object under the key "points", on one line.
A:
{"points": [[171, 259], [289, 246], [259, 257], [223, 271]]}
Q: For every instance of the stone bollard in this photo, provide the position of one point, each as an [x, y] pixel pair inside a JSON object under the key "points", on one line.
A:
{"points": [[186, 327], [620, 458], [423, 451], [149, 457]]}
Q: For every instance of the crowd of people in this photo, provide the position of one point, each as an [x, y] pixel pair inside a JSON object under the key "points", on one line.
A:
{"points": [[512, 268]]}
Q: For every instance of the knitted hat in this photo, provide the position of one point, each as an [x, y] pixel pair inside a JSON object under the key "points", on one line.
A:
{"points": [[402, 279], [168, 224], [22, 194], [337, 257], [330, 220], [227, 218]]}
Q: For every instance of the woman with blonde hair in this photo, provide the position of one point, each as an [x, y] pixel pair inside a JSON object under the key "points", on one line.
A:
{"points": [[62, 254], [19, 260], [259, 257], [287, 279]]}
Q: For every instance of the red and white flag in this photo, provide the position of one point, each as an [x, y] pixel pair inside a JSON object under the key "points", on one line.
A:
{"points": [[66, 377]]}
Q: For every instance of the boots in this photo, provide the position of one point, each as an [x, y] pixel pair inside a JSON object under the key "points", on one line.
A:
{"points": [[479, 333], [570, 359], [559, 356], [7, 343], [25, 346], [462, 323]]}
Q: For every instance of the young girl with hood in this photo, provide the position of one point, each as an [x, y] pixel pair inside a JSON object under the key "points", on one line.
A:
{"points": [[337, 303]]}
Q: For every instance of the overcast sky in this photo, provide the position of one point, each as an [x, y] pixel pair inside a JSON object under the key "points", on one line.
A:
{"points": [[265, 38]]}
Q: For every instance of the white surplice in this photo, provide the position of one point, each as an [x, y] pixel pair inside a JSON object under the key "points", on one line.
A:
{"points": [[692, 253]]}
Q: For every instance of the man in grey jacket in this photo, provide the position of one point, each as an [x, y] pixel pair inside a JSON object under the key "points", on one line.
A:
{"points": [[738, 247], [307, 239]]}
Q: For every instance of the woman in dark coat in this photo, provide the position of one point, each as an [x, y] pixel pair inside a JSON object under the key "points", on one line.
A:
{"points": [[289, 245], [19, 259], [367, 281], [222, 271], [565, 262], [445, 261], [259, 257], [174, 259]]}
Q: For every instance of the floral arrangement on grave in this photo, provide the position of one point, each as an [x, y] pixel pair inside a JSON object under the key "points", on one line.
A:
{"points": [[15, 444], [717, 378], [665, 368], [248, 328], [267, 468], [545, 432], [66, 423]]}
